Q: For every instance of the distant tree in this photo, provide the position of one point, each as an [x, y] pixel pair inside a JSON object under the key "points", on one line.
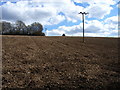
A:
{"points": [[37, 26], [19, 28], [36, 29], [6, 27], [43, 34], [28, 29], [63, 35]]}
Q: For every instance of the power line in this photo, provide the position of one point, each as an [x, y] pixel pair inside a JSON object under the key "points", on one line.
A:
{"points": [[83, 13]]}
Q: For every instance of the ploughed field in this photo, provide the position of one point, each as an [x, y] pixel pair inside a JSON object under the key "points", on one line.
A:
{"points": [[60, 63]]}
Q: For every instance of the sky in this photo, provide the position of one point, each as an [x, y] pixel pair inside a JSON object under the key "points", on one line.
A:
{"points": [[61, 16]]}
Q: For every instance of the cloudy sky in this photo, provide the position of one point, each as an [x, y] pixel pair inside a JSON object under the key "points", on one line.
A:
{"points": [[61, 16]]}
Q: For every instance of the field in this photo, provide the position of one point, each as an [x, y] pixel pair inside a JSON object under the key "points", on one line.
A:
{"points": [[60, 63]]}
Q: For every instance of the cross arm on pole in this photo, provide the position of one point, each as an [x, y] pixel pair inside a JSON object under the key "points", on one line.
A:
{"points": [[83, 13]]}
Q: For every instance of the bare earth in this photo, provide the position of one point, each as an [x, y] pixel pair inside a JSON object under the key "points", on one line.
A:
{"points": [[60, 63]]}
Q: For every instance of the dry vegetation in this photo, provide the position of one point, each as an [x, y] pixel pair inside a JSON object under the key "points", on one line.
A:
{"points": [[60, 63]]}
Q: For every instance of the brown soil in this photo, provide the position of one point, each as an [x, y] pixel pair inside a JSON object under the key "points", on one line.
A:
{"points": [[60, 63]]}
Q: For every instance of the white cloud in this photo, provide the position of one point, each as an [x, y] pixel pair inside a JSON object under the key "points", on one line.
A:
{"points": [[113, 19], [30, 12], [45, 12], [93, 28], [97, 8], [57, 19], [105, 2], [98, 11], [112, 25]]}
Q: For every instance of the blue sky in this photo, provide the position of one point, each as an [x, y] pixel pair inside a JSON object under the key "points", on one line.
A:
{"points": [[62, 16]]}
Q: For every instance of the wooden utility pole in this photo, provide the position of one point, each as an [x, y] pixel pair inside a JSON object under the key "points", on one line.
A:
{"points": [[83, 13]]}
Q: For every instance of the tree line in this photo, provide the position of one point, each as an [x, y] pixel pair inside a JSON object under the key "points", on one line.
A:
{"points": [[19, 28]]}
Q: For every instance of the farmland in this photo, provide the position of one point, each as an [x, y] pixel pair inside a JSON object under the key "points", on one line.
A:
{"points": [[60, 62]]}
